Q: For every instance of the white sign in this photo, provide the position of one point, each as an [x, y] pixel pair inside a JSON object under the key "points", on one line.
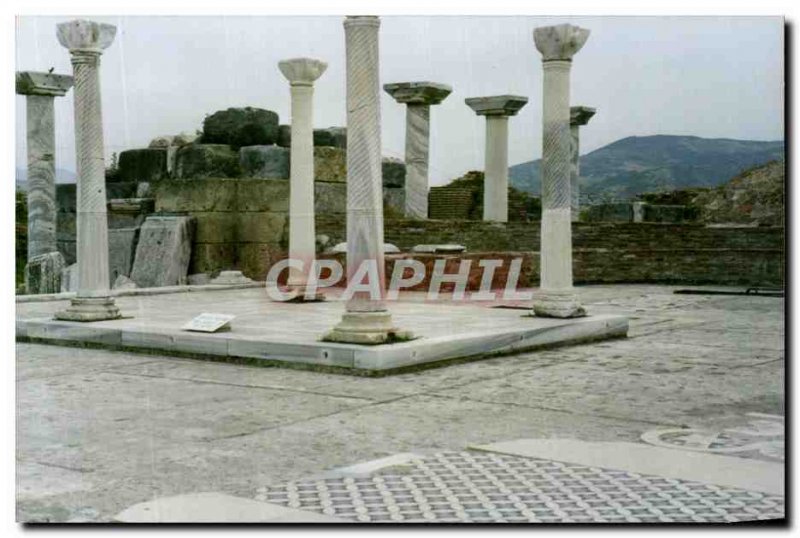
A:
{"points": [[209, 323]]}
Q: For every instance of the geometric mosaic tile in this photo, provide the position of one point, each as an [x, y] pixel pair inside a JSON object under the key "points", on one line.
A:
{"points": [[480, 487]]}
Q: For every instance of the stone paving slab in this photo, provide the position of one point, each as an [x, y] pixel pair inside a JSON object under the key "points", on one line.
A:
{"points": [[290, 332]]}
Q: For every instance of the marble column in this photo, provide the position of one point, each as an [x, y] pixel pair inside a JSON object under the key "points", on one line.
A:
{"points": [[557, 297], [86, 41], [578, 117], [301, 73], [39, 90], [418, 98], [497, 109], [367, 319]]}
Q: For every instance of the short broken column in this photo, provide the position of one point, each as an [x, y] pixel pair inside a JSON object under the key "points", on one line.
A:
{"points": [[578, 117], [86, 41], [418, 98], [497, 109], [43, 270], [301, 73], [557, 297], [367, 319]]}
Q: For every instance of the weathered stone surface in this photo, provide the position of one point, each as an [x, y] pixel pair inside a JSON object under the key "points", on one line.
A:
{"points": [[394, 198], [230, 277], [284, 136], [43, 273], [255, 259], [497, 105], [121, 250], [212, 194], [172, 140], [128, 212], [216, 226], [241, 127], [207, 160], [330, 164], [332, 136], [69, 278], [438, 249], [341, 248], [121, 189], [330, 198], [266, 162], [212, 257], [198, 279], [257, 195], [163, 251], [394, 172], [263, 228], [124, 283], [418, 93], [46, 84], [148, 164]]}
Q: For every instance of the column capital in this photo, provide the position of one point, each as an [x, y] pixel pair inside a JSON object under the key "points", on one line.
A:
{"points": [[362, 20], [497, 105], [418, 93], [559, 42], [82, 36], [36, 83], [580, 115], [302, 71]]}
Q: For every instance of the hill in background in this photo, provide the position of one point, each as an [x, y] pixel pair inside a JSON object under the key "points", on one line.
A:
{"points": [[640, 164], [755, 196]]}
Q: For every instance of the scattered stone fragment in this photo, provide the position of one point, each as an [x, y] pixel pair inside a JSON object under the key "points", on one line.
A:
{"points": [[436, 249], [332, 136], [43, 273], [163, 251], [241, 127], [124, 283], [230, 277], [207, 160]]}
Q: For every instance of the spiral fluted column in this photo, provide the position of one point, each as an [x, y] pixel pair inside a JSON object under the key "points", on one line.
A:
{"points": [[367, 320], [86, 41], [557, 297], [578, 117]]}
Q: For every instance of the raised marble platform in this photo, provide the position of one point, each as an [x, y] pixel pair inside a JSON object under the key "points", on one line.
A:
{"points": [[280, 333]]}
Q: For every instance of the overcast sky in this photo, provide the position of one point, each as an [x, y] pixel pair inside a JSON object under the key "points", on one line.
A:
{"points": [[718, 77]]}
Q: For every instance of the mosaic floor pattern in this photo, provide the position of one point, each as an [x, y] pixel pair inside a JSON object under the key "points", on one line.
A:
{"points": [[478, 487]]}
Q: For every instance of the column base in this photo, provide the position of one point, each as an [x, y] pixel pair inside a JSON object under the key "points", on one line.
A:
{"points": [[552, 304], [369, 328], [90, 309]]}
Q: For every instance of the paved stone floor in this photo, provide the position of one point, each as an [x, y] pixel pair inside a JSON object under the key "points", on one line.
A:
{"points": [[99, 431]]}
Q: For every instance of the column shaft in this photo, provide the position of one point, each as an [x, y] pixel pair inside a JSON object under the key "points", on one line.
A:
{"points": [[556, 239], [41, 175], [575, 171], [495, 189], [364, 184], [301, 198], [92, 220], [417, 150]]}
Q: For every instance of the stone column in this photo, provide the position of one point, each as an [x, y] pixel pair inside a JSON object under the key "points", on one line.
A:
{"points": [[497, 109], [301, 73], [367, 320], [556, 297], [578, 117], [418, 98], [40, 89], [86, 41]]}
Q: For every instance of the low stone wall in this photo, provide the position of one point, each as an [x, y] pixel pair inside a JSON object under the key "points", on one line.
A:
{"points": [[612, 252]]}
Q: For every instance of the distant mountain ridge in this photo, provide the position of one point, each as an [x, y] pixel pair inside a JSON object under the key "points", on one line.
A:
{"points": [[639, 164]]}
